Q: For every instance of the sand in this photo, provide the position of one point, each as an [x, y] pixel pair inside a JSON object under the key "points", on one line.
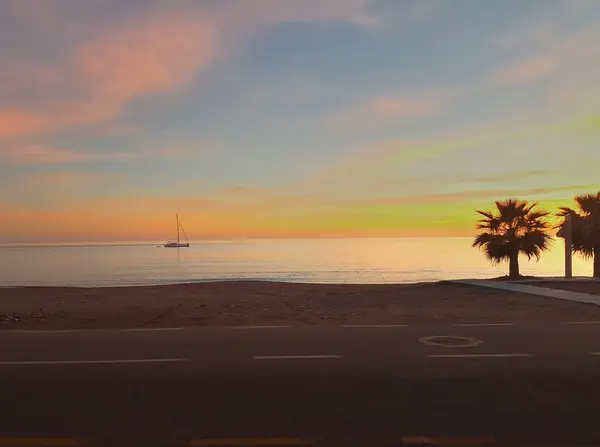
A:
{"points": [[273, 303]]}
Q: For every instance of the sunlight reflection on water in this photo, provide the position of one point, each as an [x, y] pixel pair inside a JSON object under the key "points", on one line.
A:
{"points": [[311, 261]]}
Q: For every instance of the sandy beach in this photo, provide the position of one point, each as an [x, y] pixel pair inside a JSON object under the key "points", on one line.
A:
{"points": [[274, 303]]}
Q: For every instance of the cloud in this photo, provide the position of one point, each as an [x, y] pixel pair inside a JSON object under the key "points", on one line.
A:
{"points": [[271, 200], [533, 34], [574, 59], [157, 54], [154, 54], [283, 215], [68, 178], [404, 107], [146, 53], [385, 109], [579, 7], [476, 195], [528, 70], [426, 9], [19, 122], [508, 176], [246, 16], [449, 178], [116, 130], [47, 155], [377, 165], [170, 151], [35, 154]]}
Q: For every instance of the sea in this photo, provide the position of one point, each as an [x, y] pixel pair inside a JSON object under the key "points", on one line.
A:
{"points": [[352, 261]]}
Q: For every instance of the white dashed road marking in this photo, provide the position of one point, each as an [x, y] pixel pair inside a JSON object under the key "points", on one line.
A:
{"points": [[166, 329], [464, 356], [49, 331], [482, 324], [295, 357], [92, 362], [579, 322]]}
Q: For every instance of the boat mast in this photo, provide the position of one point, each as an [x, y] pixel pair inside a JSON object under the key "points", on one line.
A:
{"points": [[183, 231], [177, 218]]}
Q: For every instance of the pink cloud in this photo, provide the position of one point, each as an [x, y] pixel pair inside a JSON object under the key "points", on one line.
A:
{"points": [[528, 70], [68, 178], [386, 109], [55, 156], [18, 122], [47, 155], [152, 54], [44, 155], [155, 55], [574, 60], [63, 178]]}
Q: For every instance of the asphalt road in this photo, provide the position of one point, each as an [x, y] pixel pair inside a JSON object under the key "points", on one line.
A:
{"points": [[322, 386]]}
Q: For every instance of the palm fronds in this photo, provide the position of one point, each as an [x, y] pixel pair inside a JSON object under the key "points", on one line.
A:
{"points": [[585, 224], [517, 227]]}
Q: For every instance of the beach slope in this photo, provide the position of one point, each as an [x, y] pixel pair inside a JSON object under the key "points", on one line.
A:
{"points": [[275, 303]]}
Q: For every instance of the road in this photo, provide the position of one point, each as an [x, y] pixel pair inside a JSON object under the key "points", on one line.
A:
{"points": [[322, 386]]}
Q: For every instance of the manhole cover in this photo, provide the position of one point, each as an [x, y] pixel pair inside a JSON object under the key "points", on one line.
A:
{"points": [[450, 341]]}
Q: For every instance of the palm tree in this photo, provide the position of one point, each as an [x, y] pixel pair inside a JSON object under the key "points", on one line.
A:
{"points": [[585, 225], [519, 227]]}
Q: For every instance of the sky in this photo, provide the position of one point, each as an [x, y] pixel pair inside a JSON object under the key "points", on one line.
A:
{"points": [[291, 118]]}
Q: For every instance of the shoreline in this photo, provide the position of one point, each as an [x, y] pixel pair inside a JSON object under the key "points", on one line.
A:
{"points": [[227, 281], [238, 303], [524, 280]]}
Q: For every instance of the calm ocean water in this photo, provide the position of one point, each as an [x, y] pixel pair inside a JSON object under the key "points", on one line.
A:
{"points": [[316, 261]]}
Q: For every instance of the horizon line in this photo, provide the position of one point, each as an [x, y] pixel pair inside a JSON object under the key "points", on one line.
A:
{"points": [[203, 241]]}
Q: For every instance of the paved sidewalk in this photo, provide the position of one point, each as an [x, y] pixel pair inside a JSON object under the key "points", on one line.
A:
{"points": [[533, 290]]}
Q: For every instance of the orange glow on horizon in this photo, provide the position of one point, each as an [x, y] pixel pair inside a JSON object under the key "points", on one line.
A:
{"points": [[104, 223]]}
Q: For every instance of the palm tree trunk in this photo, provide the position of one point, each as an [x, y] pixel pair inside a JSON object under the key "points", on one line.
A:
{"points": [[513, 265], [596, 273]]}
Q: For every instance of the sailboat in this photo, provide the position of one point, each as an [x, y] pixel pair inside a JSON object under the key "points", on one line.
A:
{"points": [[178, 243]]}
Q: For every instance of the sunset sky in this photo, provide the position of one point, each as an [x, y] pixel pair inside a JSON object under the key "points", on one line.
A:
{"points": [[290, 118]]}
